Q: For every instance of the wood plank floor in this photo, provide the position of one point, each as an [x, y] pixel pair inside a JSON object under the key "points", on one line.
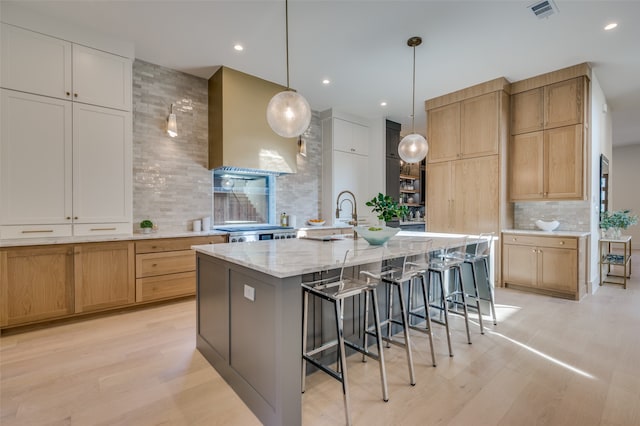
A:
{"points": [[548, 362]]}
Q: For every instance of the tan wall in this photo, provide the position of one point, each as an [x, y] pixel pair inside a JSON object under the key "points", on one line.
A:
{"points": [[624, 184]]}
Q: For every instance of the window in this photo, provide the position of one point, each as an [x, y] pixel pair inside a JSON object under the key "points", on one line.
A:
{"points": [[242, 198]]}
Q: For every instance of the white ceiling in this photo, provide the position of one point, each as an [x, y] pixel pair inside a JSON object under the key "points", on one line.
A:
{"points": [[361, 46]]}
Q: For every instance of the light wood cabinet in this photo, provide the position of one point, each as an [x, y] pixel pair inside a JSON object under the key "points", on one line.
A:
{"points": [[165, 268], [548, 165], [564, 103], [527, 111], [104, 275], [443, 133], [466, 198], [36, 284], [550, 265]]}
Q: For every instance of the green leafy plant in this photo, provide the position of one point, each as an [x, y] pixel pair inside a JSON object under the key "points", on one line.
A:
{"points": [[146, 224], [387, 208], [618, 219]]}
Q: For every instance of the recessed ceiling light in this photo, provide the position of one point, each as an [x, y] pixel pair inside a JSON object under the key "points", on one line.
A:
{"points": [[238, 47], [610, 26], [383, 103], [326, 81]]}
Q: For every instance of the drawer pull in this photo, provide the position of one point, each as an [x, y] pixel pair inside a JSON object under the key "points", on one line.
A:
{"points": [[103, 229], [37, 231], [154, 265], [561, 243]]}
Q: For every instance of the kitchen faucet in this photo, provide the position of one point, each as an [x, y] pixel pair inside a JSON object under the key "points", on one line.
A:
{"points": [[354, 210]]}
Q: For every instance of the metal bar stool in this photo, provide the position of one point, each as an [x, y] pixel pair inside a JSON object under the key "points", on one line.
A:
{"points": [[336, 290], [482, 253]]}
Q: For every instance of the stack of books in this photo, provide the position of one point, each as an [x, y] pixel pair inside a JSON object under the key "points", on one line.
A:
{"points": [[614, 258]]}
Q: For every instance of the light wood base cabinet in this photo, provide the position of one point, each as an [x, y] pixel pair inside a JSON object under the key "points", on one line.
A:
{"points": [[36, 284], [549, 265]]}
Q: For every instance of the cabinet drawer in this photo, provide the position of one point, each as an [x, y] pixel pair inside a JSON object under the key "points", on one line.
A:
{"points": [[34, 231], [171, 244], [148, 265], [529, 240], [86, 229], [166, 286]]}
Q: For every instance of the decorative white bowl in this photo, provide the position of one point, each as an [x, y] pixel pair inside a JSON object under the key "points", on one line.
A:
{"points": [[376, 238], [547, 226]]}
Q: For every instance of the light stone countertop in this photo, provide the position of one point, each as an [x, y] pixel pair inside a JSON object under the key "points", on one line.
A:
{"points": [[286, 258], [102, 238], [541, 233]]}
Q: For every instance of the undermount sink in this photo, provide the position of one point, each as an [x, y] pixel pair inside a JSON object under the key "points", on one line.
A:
{"points": [[547, 226]]}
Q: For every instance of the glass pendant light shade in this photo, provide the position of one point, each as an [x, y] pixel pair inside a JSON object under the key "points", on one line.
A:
{"points": [[288, 114], [413, 148]]}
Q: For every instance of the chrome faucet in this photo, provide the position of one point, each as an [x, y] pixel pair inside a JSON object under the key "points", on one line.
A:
{"points": [[354, 209]]}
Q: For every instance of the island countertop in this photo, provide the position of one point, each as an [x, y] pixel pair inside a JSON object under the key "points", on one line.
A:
{"points": [[286, 258]]}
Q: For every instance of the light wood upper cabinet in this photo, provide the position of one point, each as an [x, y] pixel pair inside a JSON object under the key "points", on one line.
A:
{"points": [[36, 283], [443, 133], [439, 197], [104, 275], [479, 125], [527, 111], [548, 165], [564, 103]]}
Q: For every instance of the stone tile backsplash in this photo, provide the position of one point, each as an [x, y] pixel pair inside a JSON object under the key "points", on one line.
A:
{"points": [[572, 215], [171, 183]]}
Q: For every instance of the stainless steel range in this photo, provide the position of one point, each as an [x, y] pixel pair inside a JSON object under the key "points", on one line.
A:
{"points": [[243, 234]]}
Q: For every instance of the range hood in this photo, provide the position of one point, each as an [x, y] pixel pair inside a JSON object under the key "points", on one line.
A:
{"points": [[239, 135]]}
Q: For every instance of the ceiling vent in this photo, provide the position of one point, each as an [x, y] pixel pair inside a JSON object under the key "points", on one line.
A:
{"points": [[544, 8]]}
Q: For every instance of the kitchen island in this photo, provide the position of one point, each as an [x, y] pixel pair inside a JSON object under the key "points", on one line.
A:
{"points": [[249, 312]]}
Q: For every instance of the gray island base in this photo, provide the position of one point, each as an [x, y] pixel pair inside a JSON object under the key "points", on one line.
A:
{"points": [[249, 312]]}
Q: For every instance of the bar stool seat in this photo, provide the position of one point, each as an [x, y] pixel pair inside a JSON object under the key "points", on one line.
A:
{"points": [[336, 290], [482, 253]]}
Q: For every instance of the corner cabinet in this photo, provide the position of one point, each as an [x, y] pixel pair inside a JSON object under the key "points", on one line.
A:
{"points": [[65, 138], [549, 127], [345, 164], [553, 265]]}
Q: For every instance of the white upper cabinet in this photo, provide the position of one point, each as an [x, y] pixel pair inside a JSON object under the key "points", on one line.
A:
{"points": [[35, 63], [101, 78], [350, 137], [48, 66], [35, 160]]}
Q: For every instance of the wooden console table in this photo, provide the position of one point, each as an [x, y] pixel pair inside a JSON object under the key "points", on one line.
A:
{"points": [[610, 258]]}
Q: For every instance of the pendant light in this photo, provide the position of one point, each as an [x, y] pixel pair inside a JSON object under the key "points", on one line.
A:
{"points": [[288, 112], [172, 125], [413, 148]]}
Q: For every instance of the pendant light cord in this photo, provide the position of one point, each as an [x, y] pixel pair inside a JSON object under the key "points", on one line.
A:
{"points": [[286, 32], [413, 98]]}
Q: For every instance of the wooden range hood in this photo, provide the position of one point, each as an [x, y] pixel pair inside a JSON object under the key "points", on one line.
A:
{"points": [[239, 135]]}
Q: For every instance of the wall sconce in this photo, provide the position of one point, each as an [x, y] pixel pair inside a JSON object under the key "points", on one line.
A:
{"points": [[302, 146], [172, 125]]}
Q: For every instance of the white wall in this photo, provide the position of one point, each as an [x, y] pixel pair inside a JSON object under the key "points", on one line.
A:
{"points": [[601, 141], [624, 184]]}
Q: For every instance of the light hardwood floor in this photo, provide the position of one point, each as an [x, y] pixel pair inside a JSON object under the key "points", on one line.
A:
{"points": [[548, 362]]}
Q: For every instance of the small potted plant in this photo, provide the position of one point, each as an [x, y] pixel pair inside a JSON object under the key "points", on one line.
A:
{"points": [[614, 222], [146, 226], [387, 208]]}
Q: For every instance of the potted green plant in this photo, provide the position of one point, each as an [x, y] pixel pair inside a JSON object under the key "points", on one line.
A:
{"points": [[387, 208], [146, 226], [614, 222]]}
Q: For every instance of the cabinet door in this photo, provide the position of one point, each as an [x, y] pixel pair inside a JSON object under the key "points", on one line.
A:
{"points": [[439, 197], [104, 275], [479, 125], [35, 159], [100, 78], [520, 265], [557, 269], [101, 165], [392, 139], [35, 63], [350, 172], [527, 111], [476, 195], [526, 164], [393, 177], [563, 103], [443, 131], [564, 163], [35, 284], [350, 137]]}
